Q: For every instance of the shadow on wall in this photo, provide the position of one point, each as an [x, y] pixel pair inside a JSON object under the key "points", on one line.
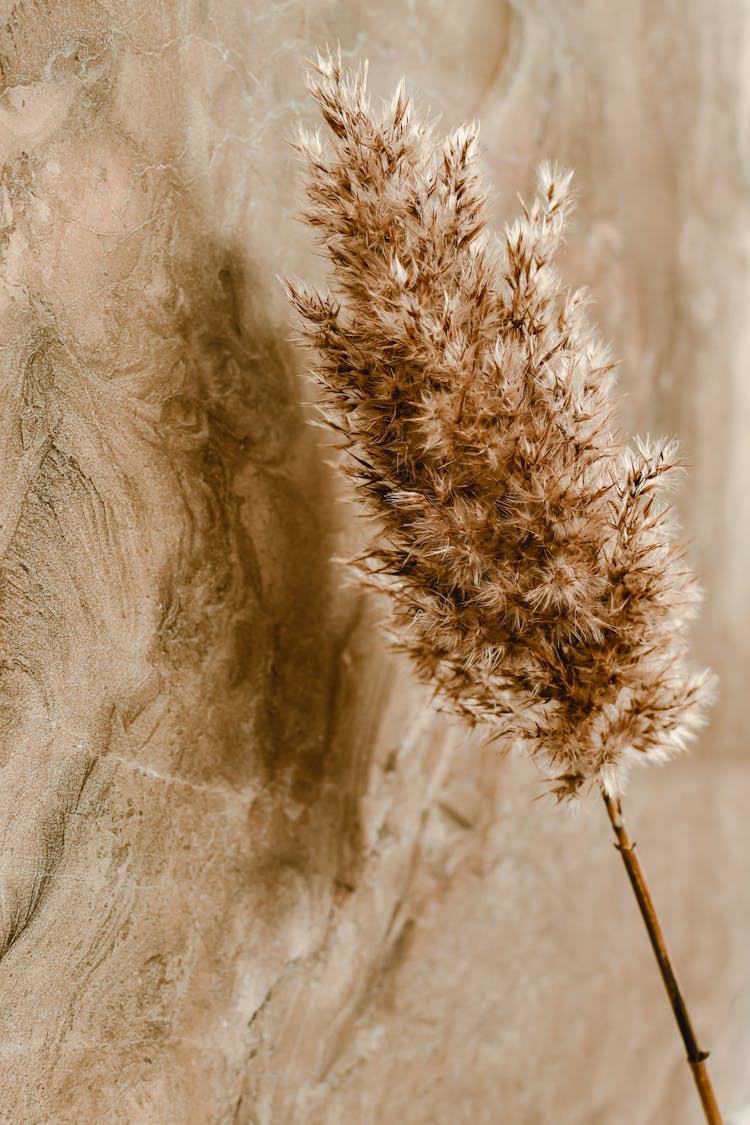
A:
{"points": [[181, 751], [164, 592], [268, 544]]}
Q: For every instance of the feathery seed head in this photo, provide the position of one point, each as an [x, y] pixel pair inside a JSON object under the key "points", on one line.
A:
{"points": [[529, 556]]}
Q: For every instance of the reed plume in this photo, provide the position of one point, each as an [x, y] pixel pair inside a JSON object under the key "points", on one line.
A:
{"points": [[528, 551], [529, 554]]}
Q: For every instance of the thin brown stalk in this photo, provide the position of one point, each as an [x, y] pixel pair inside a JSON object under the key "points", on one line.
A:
{"points": [[695, 1056]]}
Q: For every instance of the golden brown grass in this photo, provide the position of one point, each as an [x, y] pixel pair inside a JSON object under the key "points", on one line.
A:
{"points": [[529, 555]]}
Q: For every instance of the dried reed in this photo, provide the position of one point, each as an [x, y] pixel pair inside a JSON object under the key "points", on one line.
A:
{"points": [[529, 554]]}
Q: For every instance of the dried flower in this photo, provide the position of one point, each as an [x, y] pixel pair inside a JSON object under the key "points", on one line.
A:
{"points": [[528, 555]]}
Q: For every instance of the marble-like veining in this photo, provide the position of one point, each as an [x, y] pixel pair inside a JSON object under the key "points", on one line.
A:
{"points": [[247, 875]]}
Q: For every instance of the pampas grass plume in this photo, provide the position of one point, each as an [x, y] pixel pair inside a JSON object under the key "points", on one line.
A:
{"points": [[529, 554]]}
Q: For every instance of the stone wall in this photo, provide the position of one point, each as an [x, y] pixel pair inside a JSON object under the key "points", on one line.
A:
{"points": [[248, 874]]}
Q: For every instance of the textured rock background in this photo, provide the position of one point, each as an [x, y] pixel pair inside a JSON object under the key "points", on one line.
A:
{"points": [[248, 876]]}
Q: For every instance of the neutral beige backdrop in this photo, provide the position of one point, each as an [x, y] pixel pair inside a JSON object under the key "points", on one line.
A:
{"points": [[248, 874]]}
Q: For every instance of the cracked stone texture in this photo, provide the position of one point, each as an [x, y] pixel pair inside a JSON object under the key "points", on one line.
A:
{"points": [[247, 874]]}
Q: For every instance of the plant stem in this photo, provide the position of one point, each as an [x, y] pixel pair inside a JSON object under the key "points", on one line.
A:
{"points": [[695, 1056]]}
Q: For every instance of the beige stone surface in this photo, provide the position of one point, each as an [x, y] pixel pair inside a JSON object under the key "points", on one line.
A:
{"points": [[247, 874]]}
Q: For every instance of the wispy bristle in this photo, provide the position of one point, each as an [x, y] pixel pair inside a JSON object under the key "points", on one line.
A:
{"points": [[530, 558]]}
